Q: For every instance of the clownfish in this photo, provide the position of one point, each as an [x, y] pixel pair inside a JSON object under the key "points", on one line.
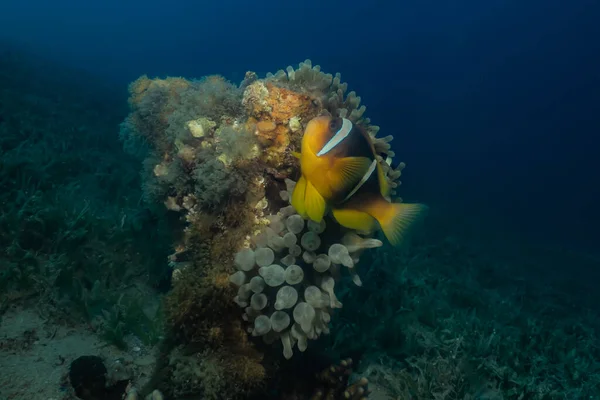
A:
{"points": [[340, 172]]}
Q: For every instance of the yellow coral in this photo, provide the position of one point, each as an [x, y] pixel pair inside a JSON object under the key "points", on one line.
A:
{"points": [[200, 127]]}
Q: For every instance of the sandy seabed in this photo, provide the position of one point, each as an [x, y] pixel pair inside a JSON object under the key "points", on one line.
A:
{"points": [[35, 356]]}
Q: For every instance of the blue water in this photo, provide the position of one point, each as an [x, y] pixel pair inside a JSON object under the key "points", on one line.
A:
{"points": [[494, 104]]}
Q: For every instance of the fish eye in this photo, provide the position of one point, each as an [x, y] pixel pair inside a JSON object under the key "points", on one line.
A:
{"points": [[335, 124]]}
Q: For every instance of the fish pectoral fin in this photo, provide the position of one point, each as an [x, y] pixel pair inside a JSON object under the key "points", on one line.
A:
{"points": [[314, 203], [347, 172], [397, 218], [298, 197], [355, 219]]}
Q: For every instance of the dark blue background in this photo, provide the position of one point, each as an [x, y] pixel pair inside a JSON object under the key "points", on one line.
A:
{"points": [[494, 104]]}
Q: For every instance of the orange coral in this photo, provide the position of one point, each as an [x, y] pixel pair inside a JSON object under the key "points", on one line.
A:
{"points": [[274, 110], [285, 103], [270, 134], [266, 126]]}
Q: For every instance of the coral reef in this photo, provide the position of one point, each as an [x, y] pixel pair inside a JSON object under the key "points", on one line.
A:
{"points": [[221, 156]]}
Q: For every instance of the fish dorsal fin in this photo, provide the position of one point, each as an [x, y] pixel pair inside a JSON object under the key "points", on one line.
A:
{"points": [[339, 136], [346, 173], [366, 176]]}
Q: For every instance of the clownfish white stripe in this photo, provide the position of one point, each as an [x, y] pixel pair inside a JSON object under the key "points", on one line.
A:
{"points": [[337, 138], [363, 180]]}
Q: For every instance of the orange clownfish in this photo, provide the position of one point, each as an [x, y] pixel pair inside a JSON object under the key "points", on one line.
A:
{"points": [[341, 173]]}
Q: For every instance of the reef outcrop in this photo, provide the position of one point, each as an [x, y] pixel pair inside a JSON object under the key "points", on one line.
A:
{"points": [[245, 266]]}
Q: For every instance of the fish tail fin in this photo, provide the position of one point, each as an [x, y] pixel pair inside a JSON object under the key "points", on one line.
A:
{"points": [[307, 201], [396, 219]]}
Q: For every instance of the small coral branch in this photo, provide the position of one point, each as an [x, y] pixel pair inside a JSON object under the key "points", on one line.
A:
{"points": [[334, 384]]}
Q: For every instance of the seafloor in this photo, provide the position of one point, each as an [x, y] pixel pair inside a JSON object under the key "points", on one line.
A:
{"points": [[467, 311]]}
